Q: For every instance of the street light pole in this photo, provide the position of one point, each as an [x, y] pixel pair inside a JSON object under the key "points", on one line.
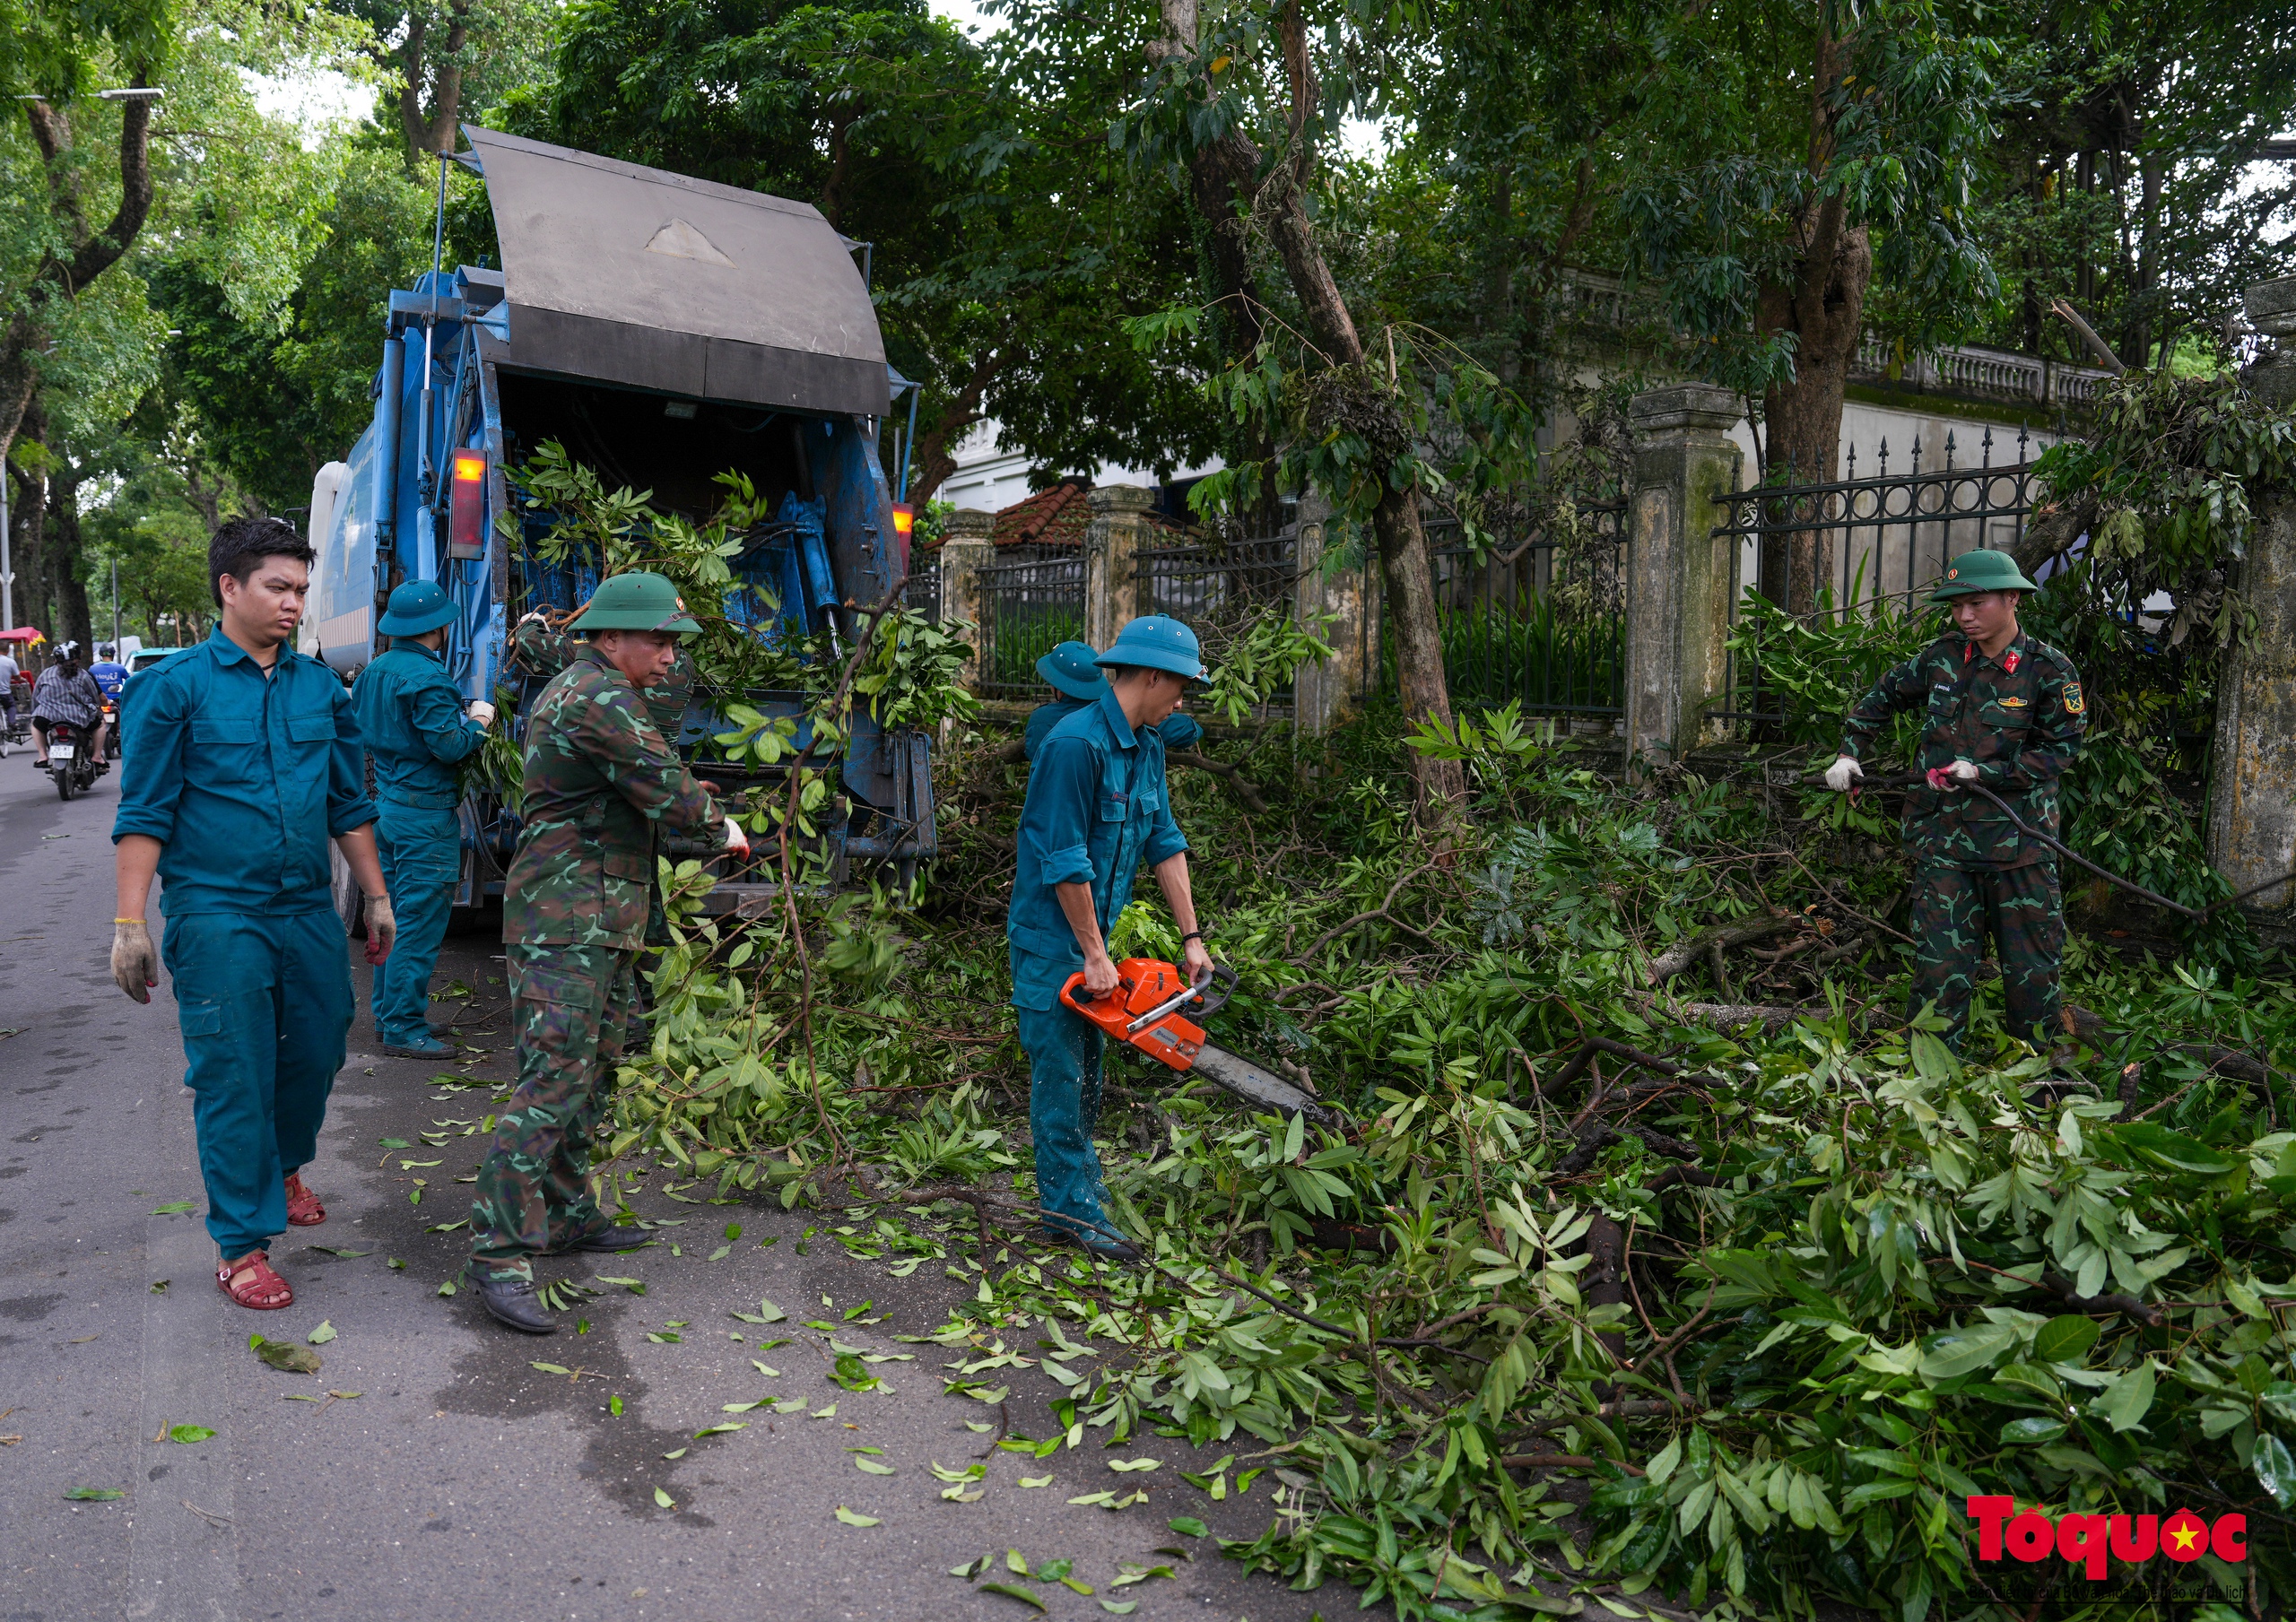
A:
{"points": [[115, 605], [7, 569]]}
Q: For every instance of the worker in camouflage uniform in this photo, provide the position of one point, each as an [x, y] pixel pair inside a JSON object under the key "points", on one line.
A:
{"points": [[2004, 711], [599, 779], [540, 649]]}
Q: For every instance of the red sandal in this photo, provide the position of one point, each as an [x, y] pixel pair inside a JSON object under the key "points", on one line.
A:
{"points": [[303, 1207], [250, 1282]]}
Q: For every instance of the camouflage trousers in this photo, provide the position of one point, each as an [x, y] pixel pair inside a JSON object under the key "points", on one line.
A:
{"points": [[571, 1007], [1956, 912]]}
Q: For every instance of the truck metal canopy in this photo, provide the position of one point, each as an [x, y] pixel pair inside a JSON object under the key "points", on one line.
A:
{"points": [[641, 277]]}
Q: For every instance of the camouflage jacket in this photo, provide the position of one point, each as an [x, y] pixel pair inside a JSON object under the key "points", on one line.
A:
{"points": [[599, 779], [542, 653], [2018, 719]]}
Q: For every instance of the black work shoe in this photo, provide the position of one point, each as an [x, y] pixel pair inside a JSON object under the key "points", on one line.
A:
{"points": [[512, 1301], [611, 1241], [1106, 1248]]}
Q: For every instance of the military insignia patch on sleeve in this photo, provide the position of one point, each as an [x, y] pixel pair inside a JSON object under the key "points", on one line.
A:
{"points": [[2073, 701]]}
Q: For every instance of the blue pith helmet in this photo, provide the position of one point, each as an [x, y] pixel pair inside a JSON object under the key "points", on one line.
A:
{"points": [[416, 607], [1070, 669], [1158, 642]]}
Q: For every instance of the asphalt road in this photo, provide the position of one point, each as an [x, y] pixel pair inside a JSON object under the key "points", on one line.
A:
{"points": [[461, 1481]]}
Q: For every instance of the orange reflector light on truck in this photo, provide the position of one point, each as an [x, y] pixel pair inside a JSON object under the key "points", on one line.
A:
{"points": [[904, 522], [467, 511]]}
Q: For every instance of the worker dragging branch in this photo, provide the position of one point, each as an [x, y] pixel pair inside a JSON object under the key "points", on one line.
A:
{"points": [[2003, 710]]}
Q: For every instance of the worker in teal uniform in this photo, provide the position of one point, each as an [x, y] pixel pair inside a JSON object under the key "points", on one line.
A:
{"points": [[417, 727], [1097, 808], [1069, 671], [243, 760]]}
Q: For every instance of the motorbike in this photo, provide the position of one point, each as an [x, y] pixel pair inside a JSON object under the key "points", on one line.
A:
{"points": [[112, 729], [69, 764]]}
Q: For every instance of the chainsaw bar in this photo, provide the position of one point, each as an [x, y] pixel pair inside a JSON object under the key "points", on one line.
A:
{"points": [[1254, 1085]]}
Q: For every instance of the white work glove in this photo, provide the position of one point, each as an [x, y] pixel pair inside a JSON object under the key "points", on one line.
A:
{"points": [[1842, 773], [382, 928], [135, 961], [481, 712], [737, 843], [1963, 771]]}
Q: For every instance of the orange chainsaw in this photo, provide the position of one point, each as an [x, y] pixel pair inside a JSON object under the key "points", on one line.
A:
{"points": [[1150, 1009]]}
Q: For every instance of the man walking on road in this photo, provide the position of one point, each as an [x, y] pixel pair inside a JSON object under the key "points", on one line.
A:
{"points": [[2004, 711], [1097, 807], [416, 728], [600, 778], [243, 760]]}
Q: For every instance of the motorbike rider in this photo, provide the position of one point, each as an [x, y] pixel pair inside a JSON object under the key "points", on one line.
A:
{"points": [[67, 695], [111, 676]]}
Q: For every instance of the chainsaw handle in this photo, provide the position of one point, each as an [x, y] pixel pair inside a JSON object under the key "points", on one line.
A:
{"points": [[1213, 994], [1078, 992]]}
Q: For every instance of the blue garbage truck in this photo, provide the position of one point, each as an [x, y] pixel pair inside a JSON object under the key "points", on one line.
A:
{"points": [[663, 330]]}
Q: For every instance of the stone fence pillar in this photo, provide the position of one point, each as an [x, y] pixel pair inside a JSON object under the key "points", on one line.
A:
{"points": [[2252, 784], [1329, 585], [1677, 573], [967, 547], [1118, 528], [2252, 790]]}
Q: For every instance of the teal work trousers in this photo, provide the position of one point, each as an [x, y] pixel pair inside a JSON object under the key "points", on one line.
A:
{"points": [[265, 1006], [1064, 1053], [421, 850]]}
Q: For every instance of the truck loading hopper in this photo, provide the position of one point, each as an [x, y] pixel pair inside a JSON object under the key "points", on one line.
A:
{"points": [[617, 273]]}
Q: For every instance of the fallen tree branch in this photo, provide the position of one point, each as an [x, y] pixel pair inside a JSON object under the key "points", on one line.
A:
{"points": [[1562, 1461], [1744, 932], [2240, 1066], [2056, 1284], [1379, 911], [1247, 792]]}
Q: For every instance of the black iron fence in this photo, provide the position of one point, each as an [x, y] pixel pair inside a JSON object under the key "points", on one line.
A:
{"points": [[1861, 548], [1221, 586], [1029, 606], [1538, 615], [922, 594]]}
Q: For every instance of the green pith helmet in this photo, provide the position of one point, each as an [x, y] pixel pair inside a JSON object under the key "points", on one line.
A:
{"points": [[638, 601], [1980, 571], [416, 606]]}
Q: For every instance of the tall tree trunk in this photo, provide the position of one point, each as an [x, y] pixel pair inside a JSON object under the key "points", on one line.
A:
{"points": [[79, 252], [447, 84], [1402, 538], [933, 458], [2145, 325], [28, 523], [1823, 306], [67, 582]]}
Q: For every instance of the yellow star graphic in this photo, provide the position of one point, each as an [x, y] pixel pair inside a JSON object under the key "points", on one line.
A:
{"points": [[2184, 1536]]}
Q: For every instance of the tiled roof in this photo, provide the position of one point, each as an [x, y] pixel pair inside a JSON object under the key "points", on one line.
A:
{"points": [[1055, 516]]}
